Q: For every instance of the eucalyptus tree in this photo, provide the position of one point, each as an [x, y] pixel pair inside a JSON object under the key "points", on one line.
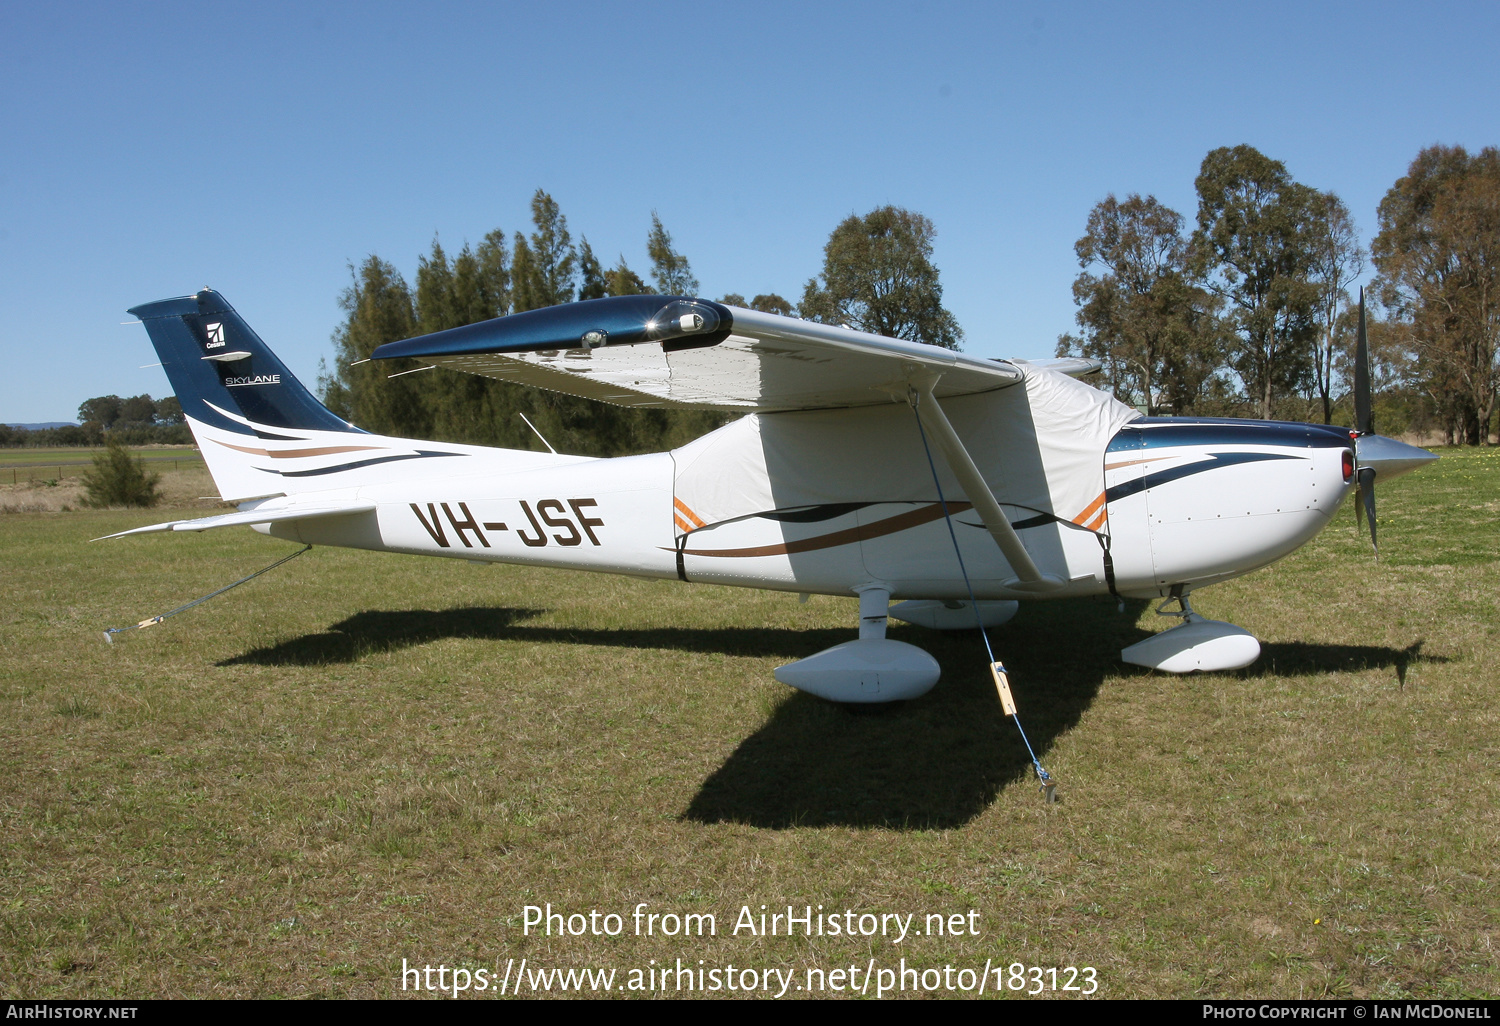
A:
{"points": [[878, 276], [1254, 248], [1338, 261], [102, 410], [1139, 313], [1438, 254], [765, 302], [770, 302]]}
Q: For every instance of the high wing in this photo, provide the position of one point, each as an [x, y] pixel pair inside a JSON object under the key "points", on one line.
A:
{"points": [[259, 515], [658, 351]]}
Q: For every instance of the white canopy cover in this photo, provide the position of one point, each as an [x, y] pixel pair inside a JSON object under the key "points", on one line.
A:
{"points": [[1039, 446]]}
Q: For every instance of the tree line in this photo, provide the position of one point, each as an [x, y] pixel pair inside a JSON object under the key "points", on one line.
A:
{"points": [[877, 276], [138, 420], [1251, 313]]}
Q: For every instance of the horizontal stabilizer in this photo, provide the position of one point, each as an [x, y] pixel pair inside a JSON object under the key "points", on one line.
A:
{"points": [[251, 516]]}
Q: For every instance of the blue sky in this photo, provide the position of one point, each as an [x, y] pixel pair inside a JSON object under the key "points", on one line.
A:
{"points": [[147, 150]]}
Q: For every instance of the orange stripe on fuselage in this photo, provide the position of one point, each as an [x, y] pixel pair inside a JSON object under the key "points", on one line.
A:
{"points": [[682, 507], [1083, 518]]}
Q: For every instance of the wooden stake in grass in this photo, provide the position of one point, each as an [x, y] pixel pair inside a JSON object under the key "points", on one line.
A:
{"points": [[1002, 685]]}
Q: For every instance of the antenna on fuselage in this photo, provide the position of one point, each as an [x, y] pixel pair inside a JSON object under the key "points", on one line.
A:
{"points": [[537, 433]]}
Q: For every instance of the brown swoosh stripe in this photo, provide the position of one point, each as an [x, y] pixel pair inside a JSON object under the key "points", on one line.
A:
{"points": [[328, 450], [1132, 463], [241, 448], [890, 525], [292, 454]]}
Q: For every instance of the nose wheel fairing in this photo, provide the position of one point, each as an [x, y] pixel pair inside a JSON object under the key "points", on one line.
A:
{"points": [[1195, 645]]}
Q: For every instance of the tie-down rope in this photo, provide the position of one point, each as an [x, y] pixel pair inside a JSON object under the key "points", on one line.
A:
{"points": [[1043, 777], [109, 634]]}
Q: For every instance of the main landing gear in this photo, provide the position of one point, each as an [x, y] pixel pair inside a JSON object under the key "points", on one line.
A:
{"points": [[1195, 644], [871, 669]]}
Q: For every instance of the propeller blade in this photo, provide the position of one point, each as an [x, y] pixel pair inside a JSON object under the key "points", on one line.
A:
{"points": [[1367, 505], [1363, 416]]}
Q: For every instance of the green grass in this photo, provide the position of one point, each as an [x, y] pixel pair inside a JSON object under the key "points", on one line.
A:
{"points": [[50, 455], [362, 758], [62, 455]]}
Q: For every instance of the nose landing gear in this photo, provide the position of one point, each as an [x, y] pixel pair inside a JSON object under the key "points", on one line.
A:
{"points": [[1196, 644]]}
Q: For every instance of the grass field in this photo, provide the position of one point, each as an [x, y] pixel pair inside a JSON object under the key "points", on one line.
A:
{"points": [[360, 759]]}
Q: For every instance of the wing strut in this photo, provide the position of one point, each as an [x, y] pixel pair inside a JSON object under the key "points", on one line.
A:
{"points": [[962, 465]]}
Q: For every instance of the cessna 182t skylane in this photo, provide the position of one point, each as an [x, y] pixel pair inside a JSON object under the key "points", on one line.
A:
{"points": [[830, 483]]}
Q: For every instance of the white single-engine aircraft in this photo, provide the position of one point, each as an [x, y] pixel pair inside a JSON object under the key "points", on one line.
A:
{"points": [[863, 466]]}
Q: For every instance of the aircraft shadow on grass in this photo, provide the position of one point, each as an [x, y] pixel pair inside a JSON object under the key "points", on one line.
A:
{"points": [[936, 762], [378, 631], [1294, 658], [933, 763]]}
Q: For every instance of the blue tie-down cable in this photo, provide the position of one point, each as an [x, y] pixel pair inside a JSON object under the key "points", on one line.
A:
{"points": [[109, 634], [997, 669]]}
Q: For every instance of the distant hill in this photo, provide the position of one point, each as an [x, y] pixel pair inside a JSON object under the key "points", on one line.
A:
{"points": [[48, 424]]}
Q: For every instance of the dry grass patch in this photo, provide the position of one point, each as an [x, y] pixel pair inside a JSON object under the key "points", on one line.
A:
{"points": [[185, 481]]}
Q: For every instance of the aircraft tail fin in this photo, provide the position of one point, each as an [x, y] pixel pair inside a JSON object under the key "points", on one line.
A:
{"points": [[232, 388]]}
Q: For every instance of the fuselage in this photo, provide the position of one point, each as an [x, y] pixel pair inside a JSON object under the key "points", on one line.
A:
{"points": [[1185, 502]]}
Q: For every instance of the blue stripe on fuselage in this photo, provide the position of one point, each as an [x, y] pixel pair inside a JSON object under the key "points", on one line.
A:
{"points": [[1216, 460], [1163, 432]]}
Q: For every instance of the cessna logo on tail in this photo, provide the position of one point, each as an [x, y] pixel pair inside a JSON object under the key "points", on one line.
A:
{"points": [[215, 335]]}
